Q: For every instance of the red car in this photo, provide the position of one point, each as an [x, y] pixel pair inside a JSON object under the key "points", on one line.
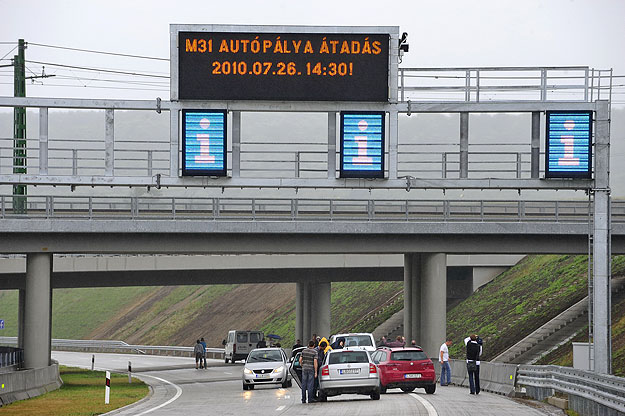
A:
{"points": [[406, 368]]}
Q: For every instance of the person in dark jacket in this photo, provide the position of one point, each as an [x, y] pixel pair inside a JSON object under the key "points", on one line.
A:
{"points": [[198, 350], [474, 350], [261, 344], [320, 356], [338, 344]]}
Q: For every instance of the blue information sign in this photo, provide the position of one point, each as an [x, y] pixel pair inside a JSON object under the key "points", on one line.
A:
{"points": [[1, 323], [204, 143], [362, 144], [569, 144]]}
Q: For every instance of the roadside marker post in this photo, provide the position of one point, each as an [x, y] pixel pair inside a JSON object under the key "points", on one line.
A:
{"points": [[107, 389], [129, 372], [92, 361]]}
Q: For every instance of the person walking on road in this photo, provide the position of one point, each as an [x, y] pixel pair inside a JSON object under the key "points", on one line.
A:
{"points": [[309, 363], [198, 350], [203, 352], [474, 350], [298, 344], [444, 360]]}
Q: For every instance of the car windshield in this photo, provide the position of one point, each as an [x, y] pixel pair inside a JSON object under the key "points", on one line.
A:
{"points": [[408, 356], [358, 341], [348, 357], [264, 356]]}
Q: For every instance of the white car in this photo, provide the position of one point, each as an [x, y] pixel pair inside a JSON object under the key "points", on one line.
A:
{"points": [[349, 371], [266, 366], [363, 340]]}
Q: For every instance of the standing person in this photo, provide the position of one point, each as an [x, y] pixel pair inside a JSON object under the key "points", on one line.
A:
{"points": [[262, 343], [474, 351], [444, 360], [321, 354], [298, 344], [338, 344], [203, 352], [309, 363], [198, 350]]}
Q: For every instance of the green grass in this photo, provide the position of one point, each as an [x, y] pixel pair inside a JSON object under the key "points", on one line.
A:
{"points": [[82, 394], [520, 300]]}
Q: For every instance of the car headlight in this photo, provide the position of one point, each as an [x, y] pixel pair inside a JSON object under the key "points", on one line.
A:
{"points": [[279, 369], [247, 371]]}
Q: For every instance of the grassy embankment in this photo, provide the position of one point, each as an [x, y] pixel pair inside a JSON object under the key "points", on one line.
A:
{"points": [[82, 393], [520, 300]]}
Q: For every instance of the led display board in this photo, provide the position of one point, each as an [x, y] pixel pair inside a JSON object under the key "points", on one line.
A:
{"points": [[362, 144], [283, 66], [204, 143], [568, 144]]}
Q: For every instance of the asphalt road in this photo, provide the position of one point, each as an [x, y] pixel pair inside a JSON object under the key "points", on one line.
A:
{"points": [[180, 389]]}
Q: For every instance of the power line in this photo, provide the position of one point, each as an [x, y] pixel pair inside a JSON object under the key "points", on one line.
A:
{"points": [[93, 86], [99, 52], [138, 74]]}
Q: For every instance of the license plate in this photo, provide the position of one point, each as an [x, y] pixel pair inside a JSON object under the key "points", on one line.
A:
{"points": [[413, 376], [349, 371], [263, 375]]}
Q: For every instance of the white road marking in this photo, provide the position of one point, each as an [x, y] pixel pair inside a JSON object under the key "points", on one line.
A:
{"points": [[178, 394], [280, 408], [225, 372], [428, 406]]}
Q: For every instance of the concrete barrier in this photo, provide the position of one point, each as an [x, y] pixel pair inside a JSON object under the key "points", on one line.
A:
{"points": [[25, 384], [494, 377]]}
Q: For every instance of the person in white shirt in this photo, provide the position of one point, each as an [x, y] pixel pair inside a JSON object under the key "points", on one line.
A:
{"points": [[444, 360]]}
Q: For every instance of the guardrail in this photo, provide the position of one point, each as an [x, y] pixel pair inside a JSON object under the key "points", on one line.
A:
{"points": [[111, 346], [303, 209], [589, 393]]}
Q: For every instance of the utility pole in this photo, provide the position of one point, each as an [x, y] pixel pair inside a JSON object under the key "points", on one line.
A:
{"points": [[19, 125], [19, 128]]}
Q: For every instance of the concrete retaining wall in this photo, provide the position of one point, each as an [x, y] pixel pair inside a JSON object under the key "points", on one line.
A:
{"points": [[25, 384], [494, 377]]}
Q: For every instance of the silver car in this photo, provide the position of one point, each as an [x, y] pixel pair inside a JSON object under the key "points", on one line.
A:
{"points": [[266, 366], [349, 371]]}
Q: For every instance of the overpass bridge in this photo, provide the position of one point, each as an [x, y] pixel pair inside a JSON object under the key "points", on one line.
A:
{"points": [[78, 202]]}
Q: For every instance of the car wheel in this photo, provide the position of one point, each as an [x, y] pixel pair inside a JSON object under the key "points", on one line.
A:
{"points": [[289, 383], [430, 389], [322, 396], [407, 389], [250, 387], [382, 389], [375, 395], [285, 384], [245, 386], [225, 359]]}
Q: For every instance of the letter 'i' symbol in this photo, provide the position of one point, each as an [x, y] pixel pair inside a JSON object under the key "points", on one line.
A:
{"points": [[361, 142], [204, 139], [569, 147]]}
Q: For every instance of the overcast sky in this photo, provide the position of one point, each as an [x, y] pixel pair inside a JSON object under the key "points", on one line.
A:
{"points": [[441, 33]]}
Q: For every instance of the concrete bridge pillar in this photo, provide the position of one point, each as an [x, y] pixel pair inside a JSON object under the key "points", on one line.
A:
{"points": [[425, 300], [320, 309], [433, 302], [312, 310], [412, 290], [37, 310]]}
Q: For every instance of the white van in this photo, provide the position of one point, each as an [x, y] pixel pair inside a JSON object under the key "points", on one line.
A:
{"points": [[239, 344], [363, 340]]}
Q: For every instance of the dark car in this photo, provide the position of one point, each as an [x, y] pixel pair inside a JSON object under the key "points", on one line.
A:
{"points": [[407, 368]]}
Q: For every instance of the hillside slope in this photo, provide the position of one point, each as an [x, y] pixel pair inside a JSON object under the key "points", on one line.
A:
{"points": [[520, 300]]}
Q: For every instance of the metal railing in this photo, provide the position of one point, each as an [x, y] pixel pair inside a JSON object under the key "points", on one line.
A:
{"points": [[112, 346], [304, 209], [11, 357], [499, 84], [589, 392]]}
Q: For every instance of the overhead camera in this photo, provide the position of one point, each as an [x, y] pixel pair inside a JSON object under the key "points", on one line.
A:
{"points": [[403, 42]]}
